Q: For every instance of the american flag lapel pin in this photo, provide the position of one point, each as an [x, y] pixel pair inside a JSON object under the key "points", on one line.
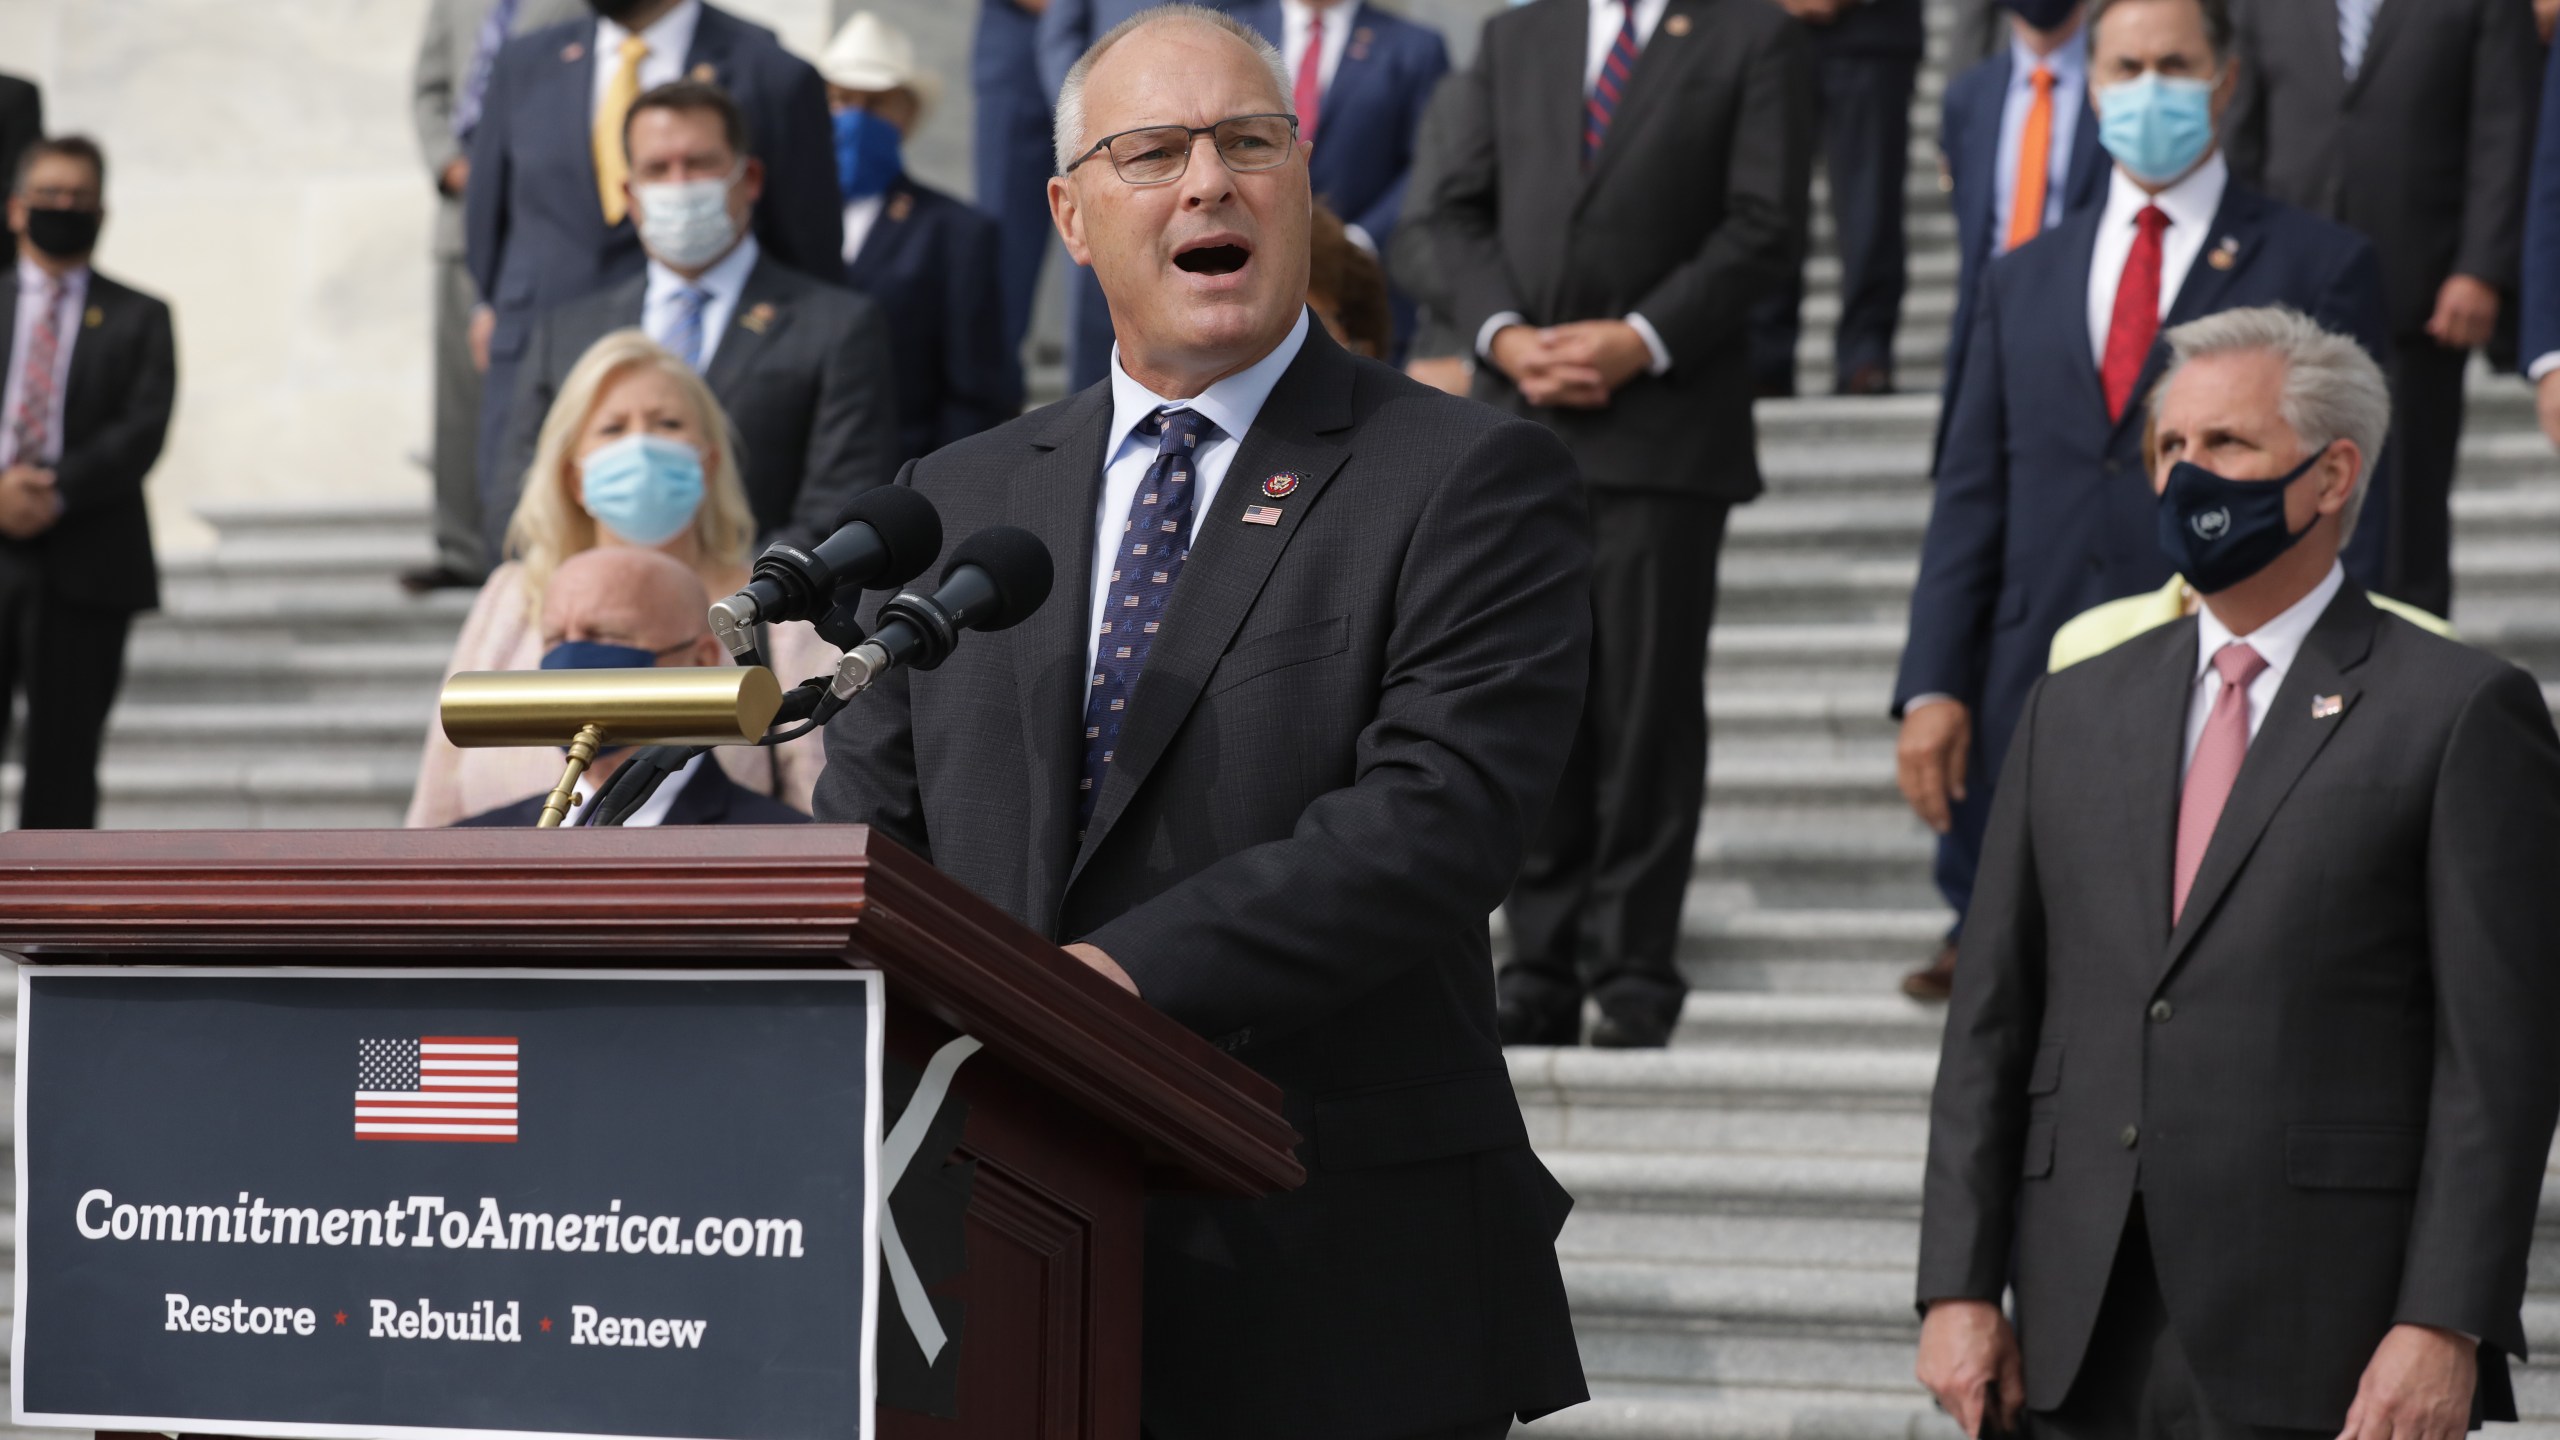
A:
{"points": [[572, 53], [2325, 706], [2226, 254], [1262, 514]]}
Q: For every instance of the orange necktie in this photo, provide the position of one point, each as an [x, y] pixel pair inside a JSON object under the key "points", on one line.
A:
{"points": [[2035, 153]]}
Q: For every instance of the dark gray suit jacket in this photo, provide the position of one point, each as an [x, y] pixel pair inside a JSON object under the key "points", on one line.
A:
{"points": [[2333, 1081], [802, 370], [1695, 209], [21, 125], [2425, 152], [1329, 770]]}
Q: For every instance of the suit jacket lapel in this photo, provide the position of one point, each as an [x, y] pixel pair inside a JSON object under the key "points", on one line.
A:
{"points": [[2287, 742], [2234, 235], [1663, 57], [704, 800], [569, 104], [1053, 497], [713, 39], [1350, 77], [8, 328], [1298, 432], [888, 229], [1982, 154], [754, 323], [88, 354], [2066, 296], [1564, 29]]}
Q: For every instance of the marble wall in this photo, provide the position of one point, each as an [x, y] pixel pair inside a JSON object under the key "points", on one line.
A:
{"points": [[265, 180]]}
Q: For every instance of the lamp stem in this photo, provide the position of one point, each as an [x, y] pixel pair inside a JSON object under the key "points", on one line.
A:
{"points": [[582, 749]]}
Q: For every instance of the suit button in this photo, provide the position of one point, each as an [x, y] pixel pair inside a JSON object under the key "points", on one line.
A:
{"points": [[2130, 1134], [2161, 1010]]}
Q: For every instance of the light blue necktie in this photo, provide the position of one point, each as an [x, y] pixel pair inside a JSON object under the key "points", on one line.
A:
{"points": [[685, 336], [2355, 27]]}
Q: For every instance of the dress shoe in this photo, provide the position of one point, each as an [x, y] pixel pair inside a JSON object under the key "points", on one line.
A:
{"points": [[1773, 390], [1520, 1023], [1935, 980], [427, 578], [1629, 1030], [1867, 380]]}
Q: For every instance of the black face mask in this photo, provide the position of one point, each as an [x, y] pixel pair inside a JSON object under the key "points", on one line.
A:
{"points": [[64, 234], [2042, 14], [2218, 531], [616, 11]]}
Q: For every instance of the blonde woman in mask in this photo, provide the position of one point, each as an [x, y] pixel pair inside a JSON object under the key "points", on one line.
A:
{"points": [[634, 451]]}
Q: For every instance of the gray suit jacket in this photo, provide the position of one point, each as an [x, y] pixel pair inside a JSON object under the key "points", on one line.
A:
{"points": [[802, 370], [1329, 769], [445, 53], [1693, 210], [2425, 150], [2333, 1080]]}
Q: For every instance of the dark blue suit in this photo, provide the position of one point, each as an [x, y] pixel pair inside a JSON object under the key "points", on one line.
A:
{"points": [[1011, 152], [1969, 140], [930, 262], [534, 235], [709, 798], [2043, 506], [2541, 308]]}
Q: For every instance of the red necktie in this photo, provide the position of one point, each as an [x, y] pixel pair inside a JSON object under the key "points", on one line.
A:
{"points": [[2137, 318], [1310, 88], [2216, 766], [35, 385]]}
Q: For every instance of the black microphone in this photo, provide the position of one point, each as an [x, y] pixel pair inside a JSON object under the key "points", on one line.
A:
{"points": [[886, 537], [995, 579]]}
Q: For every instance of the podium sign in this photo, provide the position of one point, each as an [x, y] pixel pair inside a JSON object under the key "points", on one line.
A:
{"points": [[327, 1202]]}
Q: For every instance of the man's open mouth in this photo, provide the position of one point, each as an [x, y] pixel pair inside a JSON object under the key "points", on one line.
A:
{"points": [[1219, 259]]}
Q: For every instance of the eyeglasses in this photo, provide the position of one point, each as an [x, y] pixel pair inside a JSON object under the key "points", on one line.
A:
{"points": [[1159, 154]]}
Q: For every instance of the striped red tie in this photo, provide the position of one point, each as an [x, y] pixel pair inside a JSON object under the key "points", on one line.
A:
{"points": [[1611, 87], [35, 393]]}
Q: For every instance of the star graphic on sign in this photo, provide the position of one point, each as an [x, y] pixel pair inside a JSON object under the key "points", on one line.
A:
{"points": [[546, 1324], [342, 1317]]}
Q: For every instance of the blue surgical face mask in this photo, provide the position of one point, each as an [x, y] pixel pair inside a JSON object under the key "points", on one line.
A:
{"points": [[867, 160], [2157, 127], [597, 655], [2218, 531], [644, 487]]}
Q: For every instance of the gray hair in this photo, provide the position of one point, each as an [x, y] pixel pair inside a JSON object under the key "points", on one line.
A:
{"points": [[2333, 390], [1069, 133]]}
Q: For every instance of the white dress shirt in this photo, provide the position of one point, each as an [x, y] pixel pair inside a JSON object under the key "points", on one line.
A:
{"points": [[670, 39], [653, 811], [859, 216], [2191, 205], [1231, 405], [725, 281], [32, 281], [1295, 17], [2069, 66], [1606, 18], [2277, 642]]}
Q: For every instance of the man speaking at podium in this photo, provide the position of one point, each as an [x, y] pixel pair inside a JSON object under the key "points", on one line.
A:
{"points": [[1268, 758]]}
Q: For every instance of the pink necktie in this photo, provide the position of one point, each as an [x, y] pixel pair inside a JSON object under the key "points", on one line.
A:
{"points": [[35, 389], [1310, 94], [2216, 765]]}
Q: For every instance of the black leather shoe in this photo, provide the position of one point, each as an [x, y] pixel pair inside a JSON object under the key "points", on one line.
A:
{"points": [[1520, 1023], [1936, 980], [1630, 1031], [430, 578]]}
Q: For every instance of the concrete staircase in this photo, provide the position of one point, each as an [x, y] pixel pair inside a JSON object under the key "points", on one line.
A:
{"points": [[1740, 1258]]}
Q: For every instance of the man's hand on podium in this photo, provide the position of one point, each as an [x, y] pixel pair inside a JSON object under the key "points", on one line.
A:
{"points": [[1105, 964]]}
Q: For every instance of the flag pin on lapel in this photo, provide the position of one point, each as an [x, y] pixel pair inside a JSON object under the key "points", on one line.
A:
{"points": [[758, 319], [1262, 514], [572, 53], [706, 73], [2324, 706], [1676, 24], [2226, 254]]}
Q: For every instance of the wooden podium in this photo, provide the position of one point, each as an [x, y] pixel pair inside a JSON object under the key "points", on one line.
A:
{"points": [[1082, 1099]]}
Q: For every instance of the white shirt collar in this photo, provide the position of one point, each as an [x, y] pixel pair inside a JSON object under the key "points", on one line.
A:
{"points": [[33, 278], [2277, 641], [652, 811], [670, 34], [725, 280], [1231, 404], [2191, 204], [2069, 62]]}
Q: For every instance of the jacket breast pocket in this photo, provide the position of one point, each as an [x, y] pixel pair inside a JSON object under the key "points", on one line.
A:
{"points": [[2353, 1157], [1259, 655]]}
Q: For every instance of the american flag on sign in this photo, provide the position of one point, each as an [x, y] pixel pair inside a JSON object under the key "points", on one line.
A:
{"points": [[438, 1087]]}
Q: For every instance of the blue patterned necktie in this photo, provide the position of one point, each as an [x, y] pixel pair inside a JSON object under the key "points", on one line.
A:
{"points": [[1610, 89], [684, 338], [484, 58], [1149, 559]]}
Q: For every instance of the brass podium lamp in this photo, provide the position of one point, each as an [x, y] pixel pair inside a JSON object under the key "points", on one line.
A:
{"points": [[587, 710]]}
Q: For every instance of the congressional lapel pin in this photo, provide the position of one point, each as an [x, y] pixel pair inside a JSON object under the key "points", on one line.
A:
{"points": [[1280, 486], [902, 205], [1262, 514], [572, 53], [705, 73], [2225, 255], [1675, 25], [94, 318], [1360, 39], [759, 319], [2325, 706]]}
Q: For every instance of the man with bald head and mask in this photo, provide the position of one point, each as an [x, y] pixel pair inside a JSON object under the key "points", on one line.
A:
{"points": [[619, 607], [1268, 758]]}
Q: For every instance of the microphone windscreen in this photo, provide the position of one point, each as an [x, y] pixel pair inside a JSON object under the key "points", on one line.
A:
{"points": [[910, 531], [1015, 562]]}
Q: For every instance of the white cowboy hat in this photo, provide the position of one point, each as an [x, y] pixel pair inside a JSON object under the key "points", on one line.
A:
{"points": [[871, 54]]}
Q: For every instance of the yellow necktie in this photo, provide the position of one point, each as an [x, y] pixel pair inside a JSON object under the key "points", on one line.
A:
{"points": [[611, 165]]}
